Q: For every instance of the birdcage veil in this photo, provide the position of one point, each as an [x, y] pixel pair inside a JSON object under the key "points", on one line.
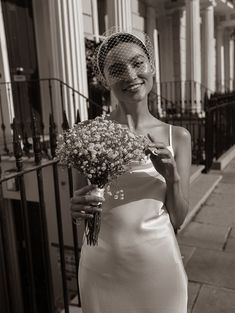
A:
{"points": [[113, 38]]}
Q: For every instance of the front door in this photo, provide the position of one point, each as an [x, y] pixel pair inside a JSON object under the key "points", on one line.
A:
{"points": [[21, 46]]}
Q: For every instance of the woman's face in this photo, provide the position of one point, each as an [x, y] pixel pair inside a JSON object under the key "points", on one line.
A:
{"points": [[128, 72]]}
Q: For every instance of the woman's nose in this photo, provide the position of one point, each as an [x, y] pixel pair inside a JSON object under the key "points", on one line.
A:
{"points": [[130, 73]]}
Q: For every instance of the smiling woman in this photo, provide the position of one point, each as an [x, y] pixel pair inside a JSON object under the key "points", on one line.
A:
{"points": [[137, 266]]}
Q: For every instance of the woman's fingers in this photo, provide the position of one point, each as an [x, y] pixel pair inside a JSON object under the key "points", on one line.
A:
{"points": [[81, 215], [161, 152], [86, 199], [84, 190], [90, 209], [85, 212]]}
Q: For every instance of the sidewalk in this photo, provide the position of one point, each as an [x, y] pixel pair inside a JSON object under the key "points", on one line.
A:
{"points": [[207, 244]]}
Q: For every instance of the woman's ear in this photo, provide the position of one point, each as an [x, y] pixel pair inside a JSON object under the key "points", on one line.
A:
{"points": [[153, 70]]}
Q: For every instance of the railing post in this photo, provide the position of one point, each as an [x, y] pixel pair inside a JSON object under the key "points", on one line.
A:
{"points": [[18, 153], [208, 135], [42, 223], [65, 123], [65, 126], [53, 144], [3, 126], [78, 119], [233, 118], [5, 296], [53, 134]]}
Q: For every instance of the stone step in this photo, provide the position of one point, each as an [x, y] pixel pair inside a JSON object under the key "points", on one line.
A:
{"points": [[195, 171], [200, 189]]}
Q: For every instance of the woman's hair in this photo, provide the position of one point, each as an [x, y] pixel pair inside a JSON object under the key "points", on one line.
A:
{"points": [[114, 40]]}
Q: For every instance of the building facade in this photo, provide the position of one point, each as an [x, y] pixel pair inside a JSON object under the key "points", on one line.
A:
{"points": [[45, 52], [193, 44]]}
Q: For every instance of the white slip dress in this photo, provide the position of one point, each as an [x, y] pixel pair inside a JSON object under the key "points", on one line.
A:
{"points": [[137, 265]]}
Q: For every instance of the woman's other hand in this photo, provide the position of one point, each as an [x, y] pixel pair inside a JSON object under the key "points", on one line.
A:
{"points": [[163, 161], [83, 204]]}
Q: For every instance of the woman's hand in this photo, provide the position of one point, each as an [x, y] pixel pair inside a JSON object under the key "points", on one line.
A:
{"points": [[163, 161], [83, 205]]}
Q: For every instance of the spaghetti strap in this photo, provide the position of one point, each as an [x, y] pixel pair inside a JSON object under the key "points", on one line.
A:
{"points": [[170, 136]]}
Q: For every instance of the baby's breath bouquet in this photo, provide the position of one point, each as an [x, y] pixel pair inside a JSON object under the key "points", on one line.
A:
{"points": [[101, 150]]}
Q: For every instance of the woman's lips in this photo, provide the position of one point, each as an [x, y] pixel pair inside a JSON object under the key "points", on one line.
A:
{"points": [[133, 87]]}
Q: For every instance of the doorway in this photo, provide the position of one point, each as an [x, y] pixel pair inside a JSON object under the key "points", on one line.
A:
{"points": [[22, 55]]}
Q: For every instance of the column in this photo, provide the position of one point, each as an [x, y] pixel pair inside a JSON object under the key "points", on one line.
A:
{"points": [[68, 48], [95, 19], [152, 32], [6, 103], [219, 59], [208, 46], [119, 14], [166, 58], [193, 52], [179, 66]]}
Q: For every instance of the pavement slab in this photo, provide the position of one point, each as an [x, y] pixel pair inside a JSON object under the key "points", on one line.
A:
{"points": [[214, 300], [216, 216], [230, 168], [186, 252], [224, 189], [193, 291], [228, 177], [200, 189], [222, 200], [230, 245], [203, 236], [212, 267]]}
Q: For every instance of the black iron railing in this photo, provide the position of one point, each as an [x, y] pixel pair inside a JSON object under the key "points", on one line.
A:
{"points": [[33, 256], [193, 120], [220, 126], [212, 129], [42, 96], [183, 95]]}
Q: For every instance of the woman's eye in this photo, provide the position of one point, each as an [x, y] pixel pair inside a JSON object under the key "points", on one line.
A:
{"points": [[117, 71], [113, 72], [138, 63]]}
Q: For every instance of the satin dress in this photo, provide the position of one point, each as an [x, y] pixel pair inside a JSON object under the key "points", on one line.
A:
{"points": [[137, 266]]}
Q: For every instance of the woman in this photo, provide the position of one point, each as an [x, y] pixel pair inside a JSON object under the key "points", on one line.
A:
{"points": [[137, 266]]}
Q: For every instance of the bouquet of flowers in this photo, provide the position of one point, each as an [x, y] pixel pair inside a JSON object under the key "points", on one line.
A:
{"points": [[101, 150]]}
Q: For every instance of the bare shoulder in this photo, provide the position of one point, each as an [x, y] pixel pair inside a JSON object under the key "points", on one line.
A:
{"points": [[180, 133], [181, 139]]}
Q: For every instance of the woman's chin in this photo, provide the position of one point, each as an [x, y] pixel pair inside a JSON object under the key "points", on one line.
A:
{"points": [[137, 96]]}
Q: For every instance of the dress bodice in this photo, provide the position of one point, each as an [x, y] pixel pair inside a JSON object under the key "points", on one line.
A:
{"points": [[134, 205]]}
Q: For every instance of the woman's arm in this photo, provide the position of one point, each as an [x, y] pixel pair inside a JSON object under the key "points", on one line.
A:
{"points": [[176, 171], [177, 196]]}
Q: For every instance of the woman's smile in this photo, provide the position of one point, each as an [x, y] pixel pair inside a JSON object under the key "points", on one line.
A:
{"points": [[133, 87]]}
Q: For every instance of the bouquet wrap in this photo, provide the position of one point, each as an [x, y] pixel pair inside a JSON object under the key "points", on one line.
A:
{"points": [[93, 226]]}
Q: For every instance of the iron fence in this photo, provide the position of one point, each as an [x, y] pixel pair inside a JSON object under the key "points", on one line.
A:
{"points": [[182, 94], [219, 126], [191, 119], [212, 129], [42, 96], [28, 275]]}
